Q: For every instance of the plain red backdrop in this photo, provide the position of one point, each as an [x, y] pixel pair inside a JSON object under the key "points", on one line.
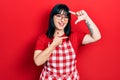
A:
{"points": [[22, 21]]}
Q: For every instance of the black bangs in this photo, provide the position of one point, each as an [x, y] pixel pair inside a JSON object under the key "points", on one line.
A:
{"points": [[64, 12], [60, 8]]}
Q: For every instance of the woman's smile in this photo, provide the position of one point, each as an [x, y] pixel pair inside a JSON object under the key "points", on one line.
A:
{"points": [[61, 24]]}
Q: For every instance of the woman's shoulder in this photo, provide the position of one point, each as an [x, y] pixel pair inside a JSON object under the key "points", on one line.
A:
{"points": [[78, 35], [42, 37], [42, 42]]}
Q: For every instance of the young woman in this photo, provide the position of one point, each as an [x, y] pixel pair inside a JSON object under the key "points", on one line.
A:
{"points": [[58, 47]]}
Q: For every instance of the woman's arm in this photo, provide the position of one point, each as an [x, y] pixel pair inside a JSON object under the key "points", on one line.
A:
{"points": [[94, 34], [40, 57]]}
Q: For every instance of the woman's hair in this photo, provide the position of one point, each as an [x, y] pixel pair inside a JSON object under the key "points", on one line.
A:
{"points": [[57, 9]]}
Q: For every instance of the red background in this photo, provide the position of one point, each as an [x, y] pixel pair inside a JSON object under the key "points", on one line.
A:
{"points": [[21, 21]]}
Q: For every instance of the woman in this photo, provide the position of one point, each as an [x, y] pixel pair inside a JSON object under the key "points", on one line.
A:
{"points": [[58, 47]]}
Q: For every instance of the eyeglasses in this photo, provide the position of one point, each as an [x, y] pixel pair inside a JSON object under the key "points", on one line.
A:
{"points": [[61, 16]]}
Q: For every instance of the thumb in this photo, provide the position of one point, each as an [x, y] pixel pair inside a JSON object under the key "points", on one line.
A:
{"points": [[76, 21]]}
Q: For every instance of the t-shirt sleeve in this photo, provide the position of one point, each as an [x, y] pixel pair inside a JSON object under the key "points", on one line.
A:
{"points": [[41, 43], [80, 37], [76, 39]]}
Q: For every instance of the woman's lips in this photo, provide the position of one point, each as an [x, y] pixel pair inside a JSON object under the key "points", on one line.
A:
{"points": [[61, 24]]}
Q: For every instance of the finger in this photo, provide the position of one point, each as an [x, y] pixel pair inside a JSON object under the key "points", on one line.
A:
{"points": [[77, 13], [82, 12], [72, 12], [76, 21], [64, 37]]}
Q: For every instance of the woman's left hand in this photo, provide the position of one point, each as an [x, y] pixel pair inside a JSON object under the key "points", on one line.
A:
{"points": [[82, 15]]}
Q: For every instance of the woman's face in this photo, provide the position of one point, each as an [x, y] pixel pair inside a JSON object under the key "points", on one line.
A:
{"points": [[60, 20]]}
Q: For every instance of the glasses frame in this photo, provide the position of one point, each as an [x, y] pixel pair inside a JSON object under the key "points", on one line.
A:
{"points": [[61, 16]]}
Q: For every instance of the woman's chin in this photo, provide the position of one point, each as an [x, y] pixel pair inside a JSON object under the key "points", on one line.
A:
{"points": [[60, 27]]}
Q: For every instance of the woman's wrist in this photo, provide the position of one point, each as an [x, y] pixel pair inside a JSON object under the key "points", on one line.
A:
{"points": [[87, 18], [52, 45]]}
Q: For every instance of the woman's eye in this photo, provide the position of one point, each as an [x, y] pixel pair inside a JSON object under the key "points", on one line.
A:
{"points": [[58, 15]]}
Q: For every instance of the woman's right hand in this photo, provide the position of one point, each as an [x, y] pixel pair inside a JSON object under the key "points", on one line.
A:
{"points": [[58, 40]]}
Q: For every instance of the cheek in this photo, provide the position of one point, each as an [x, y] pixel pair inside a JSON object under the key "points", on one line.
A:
{"points": [[54, 20], [66, 22]]}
